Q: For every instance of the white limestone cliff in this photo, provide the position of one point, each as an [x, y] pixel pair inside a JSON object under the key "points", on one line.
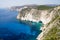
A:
{"points": [[36, 15], [46, 16]]}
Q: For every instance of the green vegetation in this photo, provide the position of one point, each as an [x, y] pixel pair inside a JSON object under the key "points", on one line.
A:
{"points": [[44, 7], [53, 34]]}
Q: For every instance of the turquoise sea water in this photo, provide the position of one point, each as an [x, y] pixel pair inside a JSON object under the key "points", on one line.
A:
{"points": [[12, 29]]}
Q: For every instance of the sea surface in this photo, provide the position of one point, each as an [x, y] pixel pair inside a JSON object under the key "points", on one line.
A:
{"points": [[12, 29]]}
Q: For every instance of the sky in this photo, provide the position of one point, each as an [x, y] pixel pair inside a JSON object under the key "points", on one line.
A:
{"points": [[9, 3]]}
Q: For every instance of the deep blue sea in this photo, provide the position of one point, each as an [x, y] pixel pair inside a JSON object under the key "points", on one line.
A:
{"points": [[12, 29]]}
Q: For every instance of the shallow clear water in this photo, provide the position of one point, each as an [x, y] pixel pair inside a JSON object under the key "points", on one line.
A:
{"points": [[12, 29]]}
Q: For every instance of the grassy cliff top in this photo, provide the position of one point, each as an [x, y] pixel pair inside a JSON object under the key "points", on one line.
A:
{"points": [[44, 7]]}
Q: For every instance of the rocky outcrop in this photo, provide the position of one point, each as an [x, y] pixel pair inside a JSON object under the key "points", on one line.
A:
{"points": [[48, 18]]}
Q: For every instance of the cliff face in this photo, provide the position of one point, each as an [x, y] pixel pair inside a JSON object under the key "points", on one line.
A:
{"points": [[50, 31], [50, 18], [35, 15]]}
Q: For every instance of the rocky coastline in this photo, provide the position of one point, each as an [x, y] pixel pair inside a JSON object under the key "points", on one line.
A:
{"points": [[47, 17]]}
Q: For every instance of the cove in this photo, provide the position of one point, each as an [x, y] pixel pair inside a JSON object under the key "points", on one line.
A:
{"points": [[13, 29]]}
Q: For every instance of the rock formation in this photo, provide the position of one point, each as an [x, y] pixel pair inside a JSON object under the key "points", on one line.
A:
{"points": [[35, 15], [53, 24], [50, 18]]}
